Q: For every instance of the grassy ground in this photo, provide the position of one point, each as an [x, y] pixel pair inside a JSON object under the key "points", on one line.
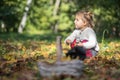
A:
{"points": [[19, 54]]}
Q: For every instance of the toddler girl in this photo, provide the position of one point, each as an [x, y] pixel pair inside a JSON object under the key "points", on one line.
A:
{"points": [[84, 35]]}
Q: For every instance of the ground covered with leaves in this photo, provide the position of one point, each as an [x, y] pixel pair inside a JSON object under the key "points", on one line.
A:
{"points": [[18, 60]]}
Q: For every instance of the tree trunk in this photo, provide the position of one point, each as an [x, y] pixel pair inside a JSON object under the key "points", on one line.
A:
{"points": [[24, 18], [2, 26], [55, 11]]}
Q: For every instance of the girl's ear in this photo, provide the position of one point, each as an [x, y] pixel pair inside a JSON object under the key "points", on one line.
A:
{"points": [[85, 23]]}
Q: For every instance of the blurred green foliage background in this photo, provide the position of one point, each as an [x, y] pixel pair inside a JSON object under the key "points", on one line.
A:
{"points": [[48, 16]]}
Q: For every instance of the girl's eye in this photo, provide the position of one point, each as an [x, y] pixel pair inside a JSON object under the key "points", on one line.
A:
{"points": [[76, 19]]}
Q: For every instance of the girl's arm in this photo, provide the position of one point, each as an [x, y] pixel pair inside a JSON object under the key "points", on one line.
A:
{"points": [[92, 41], [71, 37]]}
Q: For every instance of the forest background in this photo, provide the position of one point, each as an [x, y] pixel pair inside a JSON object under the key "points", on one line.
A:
{"points": [[58, 15]]}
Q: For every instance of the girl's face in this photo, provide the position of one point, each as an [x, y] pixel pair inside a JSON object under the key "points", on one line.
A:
{"points": [[79, 23]]}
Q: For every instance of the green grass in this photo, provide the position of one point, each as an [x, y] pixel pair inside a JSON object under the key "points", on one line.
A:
{"points": [[26, 36]]}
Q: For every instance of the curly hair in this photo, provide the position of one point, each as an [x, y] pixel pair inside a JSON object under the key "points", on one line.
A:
{"points": [[86, 16]]}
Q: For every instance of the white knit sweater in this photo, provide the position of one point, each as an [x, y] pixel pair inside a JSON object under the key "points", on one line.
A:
{"points": [[87, 34]]}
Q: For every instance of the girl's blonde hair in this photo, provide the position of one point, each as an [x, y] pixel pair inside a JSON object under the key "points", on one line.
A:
{"points": [[87, 17]]}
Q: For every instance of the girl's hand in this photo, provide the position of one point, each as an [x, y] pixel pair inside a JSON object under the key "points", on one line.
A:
{"points": [[68, 41], [80, 44]]}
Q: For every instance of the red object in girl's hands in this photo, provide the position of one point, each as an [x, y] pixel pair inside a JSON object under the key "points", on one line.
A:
{"points": [[72, 45], [88, 51]]}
